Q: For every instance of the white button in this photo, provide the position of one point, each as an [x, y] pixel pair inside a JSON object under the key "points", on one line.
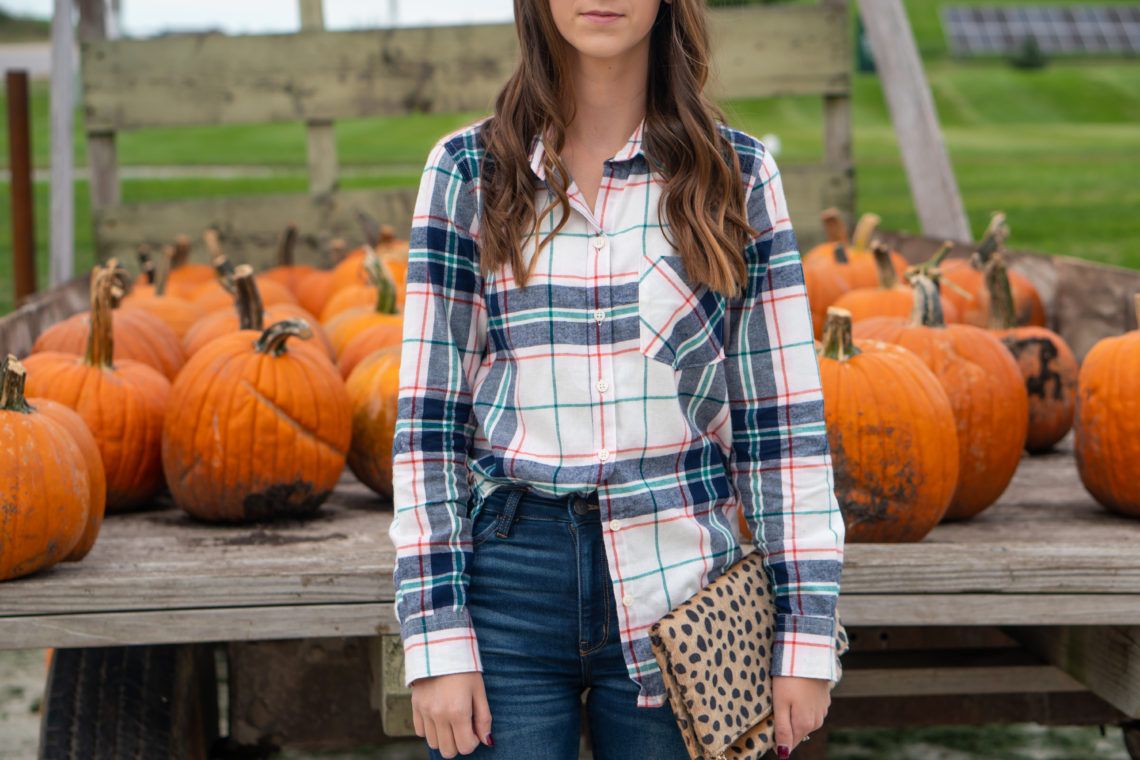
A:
{"points": [[604, 454], [600, 241], [627, 600], [599, 314], [603, 386], [615, 525]]}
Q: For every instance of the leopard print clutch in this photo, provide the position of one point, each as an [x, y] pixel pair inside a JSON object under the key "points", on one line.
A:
{"points": [[715, 653]]}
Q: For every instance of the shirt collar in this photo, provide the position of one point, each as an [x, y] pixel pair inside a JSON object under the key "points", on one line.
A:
{"points": [[629, 151]]}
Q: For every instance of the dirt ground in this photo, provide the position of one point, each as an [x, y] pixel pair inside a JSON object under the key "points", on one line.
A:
{"points": [[21, 689]]}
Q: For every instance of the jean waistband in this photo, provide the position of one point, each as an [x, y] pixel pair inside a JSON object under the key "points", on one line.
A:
{"points": [[577, 502]]}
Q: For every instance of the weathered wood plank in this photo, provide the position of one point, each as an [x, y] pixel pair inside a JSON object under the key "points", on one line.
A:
{"points": [[249, 226], [1055, 709], [19, 330], [213, 79], [320, 134], [893, 682], [972, 608], [1105, 659]]}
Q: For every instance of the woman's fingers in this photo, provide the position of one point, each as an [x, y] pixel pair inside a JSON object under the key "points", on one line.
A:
{"points": [[481, 716], [785, 740]]}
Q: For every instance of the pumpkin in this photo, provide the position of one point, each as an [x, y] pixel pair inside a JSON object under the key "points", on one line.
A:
{"points": [[45, 485], [968, 290], [891, 431], [851, 260], [184, 278], [346, 325], [258, 427], [824, 287], [248, 313], [1107, 422], [353, 269], [313, 290], [367, 341], [372, 390], [287, 272], [122, 403], [890, 298], [983, 382], [1048, 367], [176, 313], [219, 293]]}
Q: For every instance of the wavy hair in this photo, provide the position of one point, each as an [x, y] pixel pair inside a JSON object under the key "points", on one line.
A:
{"points": [[703, 198]]}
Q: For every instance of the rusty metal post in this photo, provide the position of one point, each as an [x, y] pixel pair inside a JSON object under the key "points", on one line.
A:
{"points": [[23, 202]]}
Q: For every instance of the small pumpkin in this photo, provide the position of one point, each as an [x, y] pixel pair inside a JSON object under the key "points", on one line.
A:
{"points": [[184, 277], [984, 385], [175, 312], [851, 260], [353, 269], [1107, 422], [258, 427], [892, 436], [346, 325], [45, 485], [890, 298], [824, 287], [122, 403], [372, 390], [288, 272], [368, 341]]}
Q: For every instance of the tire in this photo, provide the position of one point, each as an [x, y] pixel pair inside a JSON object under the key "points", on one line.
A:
{"points": [[130, 703]]}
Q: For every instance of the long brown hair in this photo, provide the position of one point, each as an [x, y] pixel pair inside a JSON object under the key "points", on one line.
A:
{"points": [[703, 199]]}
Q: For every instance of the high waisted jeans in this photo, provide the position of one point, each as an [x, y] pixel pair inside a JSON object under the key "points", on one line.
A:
{"points": [[545, 619]]}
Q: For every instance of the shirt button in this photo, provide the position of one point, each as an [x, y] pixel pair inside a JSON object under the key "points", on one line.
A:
{"points": [[627, 600], [615, 525], [600, 241], [603, 386], [604, 454], [599, 315]]}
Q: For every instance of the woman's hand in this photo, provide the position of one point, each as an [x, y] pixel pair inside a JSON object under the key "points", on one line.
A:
{"points": [[799, 707], [451, 712]]}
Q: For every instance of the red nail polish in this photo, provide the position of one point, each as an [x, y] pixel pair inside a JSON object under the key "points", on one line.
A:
{"points": [[782, 752], [488, 740]]}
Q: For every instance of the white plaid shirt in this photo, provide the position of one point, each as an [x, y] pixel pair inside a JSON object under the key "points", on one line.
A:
{"points": [[612, 371]]}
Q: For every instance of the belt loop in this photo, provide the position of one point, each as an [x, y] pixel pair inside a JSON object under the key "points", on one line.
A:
{"points": [[510, 512]]}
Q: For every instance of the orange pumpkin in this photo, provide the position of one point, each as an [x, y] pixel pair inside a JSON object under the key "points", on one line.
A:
{"points": [[890, 298], [890, 427], [353, 269], [248, 313], [176, 313], [372, 390], [215, 296], [183, 278], [1107, 422], [984, 385], [346, 325], [256, 428], [367, 341], [851, 260], [122, 403], [288, 272], [45, 486], [824, 287], [1048, 367], [313, 290]]}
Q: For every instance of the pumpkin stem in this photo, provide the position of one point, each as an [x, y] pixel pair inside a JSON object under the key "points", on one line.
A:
{"points": [[272, 340], [225, 270], [369, 227], [385, 286], [927, 310], [12, 377], [995, 235], [864, 229], [285, 247], [837, 342], [100, 340], [250, 309], [164, 271], [888, 277], [833, 225], [146, 264], [336, 251], [841, 254], [1003, 316], [122, 282], [387, 236], [181, 251]]}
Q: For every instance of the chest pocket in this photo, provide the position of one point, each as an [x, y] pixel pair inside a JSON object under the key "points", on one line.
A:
{"points": [[680, 323]]}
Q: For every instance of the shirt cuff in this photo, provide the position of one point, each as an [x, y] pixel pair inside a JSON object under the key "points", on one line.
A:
{"points": [[805, 648], [440, 653]]}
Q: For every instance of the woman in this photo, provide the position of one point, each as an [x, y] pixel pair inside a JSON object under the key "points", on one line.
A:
{"points": [[607, 355]]}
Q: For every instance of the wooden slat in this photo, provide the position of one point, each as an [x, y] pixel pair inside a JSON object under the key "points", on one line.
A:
{"points": [[894, 682], [213, 79], [1056, 709], [320, 134], [972, 608], [249, 226], [19, 330], [1105, 659]]}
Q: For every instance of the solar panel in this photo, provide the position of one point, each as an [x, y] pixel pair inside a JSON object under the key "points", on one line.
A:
{"points": [[1057, 29]]}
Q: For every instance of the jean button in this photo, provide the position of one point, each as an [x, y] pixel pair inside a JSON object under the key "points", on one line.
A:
{"points": [[580, 506]]}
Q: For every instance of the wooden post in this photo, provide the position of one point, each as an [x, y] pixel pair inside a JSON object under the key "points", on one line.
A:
{"points": [[23, 203], [837, 120], [321, 132], [62, 217], [102, 154], [928, 169]]}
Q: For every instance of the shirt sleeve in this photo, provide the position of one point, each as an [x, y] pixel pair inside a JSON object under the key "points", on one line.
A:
{"points": [[780, 462], [443, 344]]}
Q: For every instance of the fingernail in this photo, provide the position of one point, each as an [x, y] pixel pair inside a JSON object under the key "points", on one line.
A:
{"points": [[782, 752], [488, 740]]}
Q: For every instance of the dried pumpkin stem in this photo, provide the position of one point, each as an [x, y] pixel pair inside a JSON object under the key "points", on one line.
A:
{"points": [[387, 236], [12, 378], [286, 246], [164, 271], [833, 225], [888, 277], [841, 254], [864, 229], [146, 264], [225, 271], [369, 227], [837, 341], [181, 251], [250, 309], [994, 236], [272, 340], [100, 340], [1003, 315], [385, 286], [927, 310]]}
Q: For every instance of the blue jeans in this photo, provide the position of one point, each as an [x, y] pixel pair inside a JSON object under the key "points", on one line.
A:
{"points": [[544, 614]]}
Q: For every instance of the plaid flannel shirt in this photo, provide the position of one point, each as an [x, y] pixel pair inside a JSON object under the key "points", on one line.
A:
{"points": [[612, 371]]}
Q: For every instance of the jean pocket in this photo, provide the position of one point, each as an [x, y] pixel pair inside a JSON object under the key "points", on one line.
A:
{"points": [[681, 323], [484, 525]]}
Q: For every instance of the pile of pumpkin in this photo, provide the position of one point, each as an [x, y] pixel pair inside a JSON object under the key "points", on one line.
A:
{"points": [[937, 376], [243, 394]]}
